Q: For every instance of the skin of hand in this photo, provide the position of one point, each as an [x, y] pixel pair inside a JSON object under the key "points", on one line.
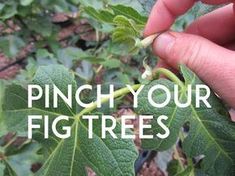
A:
{"points": [[206, 47]]}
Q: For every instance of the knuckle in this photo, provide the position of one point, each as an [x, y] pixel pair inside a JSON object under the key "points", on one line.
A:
{"points": [[188, 53], [193, 52]]}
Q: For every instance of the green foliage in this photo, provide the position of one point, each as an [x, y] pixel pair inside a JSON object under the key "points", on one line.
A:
{"points": [[173, 167], [18, 160], [33, 17], [25, 2], [8, 10], [129, 13], [108, 14], [207, 135], [2, 167], [40, 25], [127, 21], [2, 92], [11, 45], [126, 32], [77, 152]]}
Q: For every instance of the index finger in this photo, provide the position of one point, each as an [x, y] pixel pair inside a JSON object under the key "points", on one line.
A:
{"points": [[165, 12]]}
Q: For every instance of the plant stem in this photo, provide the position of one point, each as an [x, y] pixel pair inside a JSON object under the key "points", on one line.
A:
{"points": [[178, 157], [1, 156], [10, 142], [99, 69], [181, 135], [117, 93], [168, 74]]}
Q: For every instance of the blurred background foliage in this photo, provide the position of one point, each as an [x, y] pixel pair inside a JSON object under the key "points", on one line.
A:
{"points": [[44, 32]]}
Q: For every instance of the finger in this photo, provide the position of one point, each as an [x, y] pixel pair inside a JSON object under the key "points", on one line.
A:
{"points": [[215, 65], [230, 46], [217, 26], [216, 2], [165, 12], [232, 114], [162, 64]]}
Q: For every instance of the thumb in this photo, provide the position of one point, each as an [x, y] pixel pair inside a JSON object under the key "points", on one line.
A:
{"points": [[232, 114], [215, 65]]}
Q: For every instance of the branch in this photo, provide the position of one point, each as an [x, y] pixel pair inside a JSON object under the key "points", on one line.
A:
{"points": [[117, 93]]}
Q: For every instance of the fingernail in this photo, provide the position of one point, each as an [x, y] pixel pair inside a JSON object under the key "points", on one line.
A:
{"points": [[163, 44]]}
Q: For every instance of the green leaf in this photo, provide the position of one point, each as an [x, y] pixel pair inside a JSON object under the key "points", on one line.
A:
{"points": [[93, 59], [61, 78], [19, 163], [2, 93], [91, 3], [2, 167], [129, 26], [8, 10], [56, 5], [43, 53], [2, 89], [107, 15], [212, 133], [128, 23], [129, 13], [75, 1], [103, 156], [189, 171], [101, 16], [173, 167], [26, 2], [127, 33], [11, 45], [85, 71], [70, 54], [1, 6], [69, 156], [41, 25], [111, 63]]}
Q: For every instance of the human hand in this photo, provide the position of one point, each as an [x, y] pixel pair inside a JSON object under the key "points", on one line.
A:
{"points": [[206, 46]]}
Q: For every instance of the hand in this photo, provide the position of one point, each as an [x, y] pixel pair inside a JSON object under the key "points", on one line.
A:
{"points": [[206, 46]]}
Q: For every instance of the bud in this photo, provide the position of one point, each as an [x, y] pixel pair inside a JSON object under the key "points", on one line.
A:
{"points": [[148, 70], [148, 40]]}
